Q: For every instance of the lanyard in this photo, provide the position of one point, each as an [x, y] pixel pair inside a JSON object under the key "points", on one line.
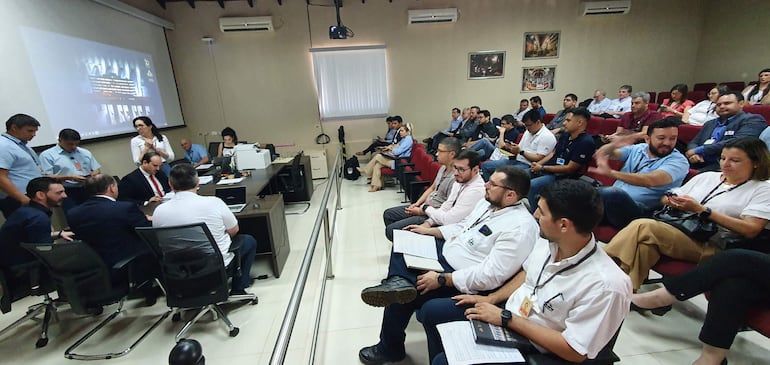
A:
{"points": [[709, 196], [640, 167], [483, 217], [26, 149], [539, 286]]}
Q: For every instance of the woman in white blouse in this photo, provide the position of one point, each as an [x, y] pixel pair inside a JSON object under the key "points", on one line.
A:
{"points": [[759, 93], [704, 110], [149, 139]]}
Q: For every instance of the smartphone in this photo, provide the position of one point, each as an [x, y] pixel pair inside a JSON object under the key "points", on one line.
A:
{"points": [[670, 194]]}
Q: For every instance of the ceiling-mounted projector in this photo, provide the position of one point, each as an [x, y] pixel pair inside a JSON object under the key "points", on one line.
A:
{"points": [[338, 32]]}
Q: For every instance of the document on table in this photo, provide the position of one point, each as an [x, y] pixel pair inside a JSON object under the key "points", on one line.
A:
{"points": [[283, 159], [419, 250], [230, 181], [414, 244], [461, 349], [205, 166], [203, 180]]}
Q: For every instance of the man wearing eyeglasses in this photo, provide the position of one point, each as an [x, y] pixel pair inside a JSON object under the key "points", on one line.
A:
{"points": [[477, 254], [570, 297], [70, 164]]}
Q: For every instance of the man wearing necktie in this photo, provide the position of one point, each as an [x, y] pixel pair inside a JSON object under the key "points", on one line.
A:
{"points": [[147, 183], [18, 162]]}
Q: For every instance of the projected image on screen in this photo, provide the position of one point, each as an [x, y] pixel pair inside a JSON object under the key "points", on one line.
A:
{"points": [[95, 88]]}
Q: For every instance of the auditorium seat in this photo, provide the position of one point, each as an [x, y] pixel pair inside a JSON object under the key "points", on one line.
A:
{"points": [[653, 95], [704, 86], [697, 95], [548, 118], [595, 125], [662, 96], [653, 106], [610, 125], [688, 132], [734, 85], [763, 110]]}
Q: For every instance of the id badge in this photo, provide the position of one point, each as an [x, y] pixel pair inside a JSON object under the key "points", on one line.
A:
{"points": [[708, 142], [729, 133], [526, 307], [560, 161]]}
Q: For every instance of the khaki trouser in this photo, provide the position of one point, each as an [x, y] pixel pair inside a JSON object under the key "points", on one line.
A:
{"points": [[372, 169], [639, 246]]}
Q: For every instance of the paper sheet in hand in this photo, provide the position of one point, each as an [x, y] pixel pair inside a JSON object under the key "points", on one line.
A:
{"points": [[419, 250], [461, 349]]}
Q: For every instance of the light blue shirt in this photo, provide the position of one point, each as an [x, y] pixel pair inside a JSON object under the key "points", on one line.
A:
{"points": [[636, 160], [454, 124], [196, 153], [602, 106], [20, 161], [57, 161]]}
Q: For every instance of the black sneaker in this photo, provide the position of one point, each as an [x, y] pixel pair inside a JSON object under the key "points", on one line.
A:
{"points": [[393, 290], [373, 355]]}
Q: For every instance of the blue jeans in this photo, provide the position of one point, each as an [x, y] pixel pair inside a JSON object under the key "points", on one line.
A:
{"points": [[489, 167], [247, 247], [434, 312], [484, 148], [619, 208], [396, 316], [535, 186]]}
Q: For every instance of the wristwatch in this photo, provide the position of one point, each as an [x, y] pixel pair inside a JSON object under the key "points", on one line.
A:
{"points": [[441, 280], [705, 214], [506, 316]]}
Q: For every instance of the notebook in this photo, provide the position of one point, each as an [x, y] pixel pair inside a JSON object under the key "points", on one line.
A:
{"points": [[234, 197]]}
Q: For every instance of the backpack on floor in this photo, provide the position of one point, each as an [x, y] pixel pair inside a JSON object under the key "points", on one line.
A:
{"points": [[350, 172]]}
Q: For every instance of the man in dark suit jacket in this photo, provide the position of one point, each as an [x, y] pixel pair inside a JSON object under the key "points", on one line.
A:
{"points": [[107, 225], [704, 150], [145, 184]]}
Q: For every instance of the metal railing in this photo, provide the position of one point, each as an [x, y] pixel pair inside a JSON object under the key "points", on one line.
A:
{"points": [[287, 326]]}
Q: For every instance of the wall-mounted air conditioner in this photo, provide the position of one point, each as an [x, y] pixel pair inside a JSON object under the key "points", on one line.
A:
{"points": [[248, 24], [605, 7], [433, 16]]}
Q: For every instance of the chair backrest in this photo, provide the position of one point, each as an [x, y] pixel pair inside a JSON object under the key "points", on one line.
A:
{"points": [[192, 269], [213, 149], [79, 273], [696, 96], [21, 281], [734, 85], [704, 86]]}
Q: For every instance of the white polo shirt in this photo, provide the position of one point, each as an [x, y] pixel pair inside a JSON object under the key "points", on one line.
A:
{"points": [[542, 143], [187, 208], [586, 303]]}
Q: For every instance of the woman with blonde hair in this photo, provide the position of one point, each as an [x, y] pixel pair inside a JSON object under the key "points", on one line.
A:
{"points": [[388, 157]]}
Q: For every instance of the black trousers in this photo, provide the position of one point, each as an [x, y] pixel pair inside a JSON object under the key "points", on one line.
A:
{"points": [[738, 280]]}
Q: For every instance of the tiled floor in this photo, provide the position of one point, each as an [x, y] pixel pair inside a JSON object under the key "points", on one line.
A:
{"points": [[346, 324]]}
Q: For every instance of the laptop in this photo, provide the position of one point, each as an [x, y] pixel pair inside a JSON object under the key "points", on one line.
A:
{"points": [[234, 197]]}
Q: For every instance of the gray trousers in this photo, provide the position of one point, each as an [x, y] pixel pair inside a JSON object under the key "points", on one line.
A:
{"points": [[396, 218]]}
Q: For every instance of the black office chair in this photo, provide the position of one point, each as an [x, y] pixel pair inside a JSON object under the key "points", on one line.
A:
{"points": [[20, 281], [193, 273], [214, 149], [83, 278], [293, 182]]}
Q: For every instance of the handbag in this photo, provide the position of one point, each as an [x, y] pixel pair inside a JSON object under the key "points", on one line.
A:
{"points": [[691, 224]]}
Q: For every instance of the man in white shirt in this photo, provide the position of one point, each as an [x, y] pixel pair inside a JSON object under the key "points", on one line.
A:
{"points": [[523, 109], [187, 207], [480, 253], [600, 105], [622, 104], [536, 143], [570, 297]]}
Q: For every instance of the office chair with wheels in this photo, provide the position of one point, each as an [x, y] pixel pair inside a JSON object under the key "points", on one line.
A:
{"points": [[20, 281], [293, 182], [193, 273], [82, 277]]}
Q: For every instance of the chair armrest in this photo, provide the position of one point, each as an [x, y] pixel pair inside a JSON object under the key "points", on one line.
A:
{"points": [[125, 262]]}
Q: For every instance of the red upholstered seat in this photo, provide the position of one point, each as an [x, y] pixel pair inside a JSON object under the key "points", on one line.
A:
{"points": [[652, 106], [688, 132], [763, 110], [610, 125], [595, 125], [663, 95], [653, 96], [548, 118], [759, 320], [605, 233], [697, 96], [668, 266], [704, 86], [734, 85]]}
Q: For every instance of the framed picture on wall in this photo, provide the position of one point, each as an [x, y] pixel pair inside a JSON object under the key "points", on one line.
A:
{"points": [[538, 78], [486, 65], [541, 45]]}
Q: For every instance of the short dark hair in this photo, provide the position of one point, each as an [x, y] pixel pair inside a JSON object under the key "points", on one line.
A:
{"points": [[627, 88], [757, 151], [457, 110], [397, 118], [580, 112], [667, 122], [69, 134], [183, 177], [738, 95], [98, 184], [148, 156], [452, 144], [388, 119], [523, 101], [571, 96], [39, 184], [508, 119], [485, 112], [515, 179], [575, 200], [20, 121], [536, 99], [682, 88], [473, 158], [531, 116], [476, 107]]}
